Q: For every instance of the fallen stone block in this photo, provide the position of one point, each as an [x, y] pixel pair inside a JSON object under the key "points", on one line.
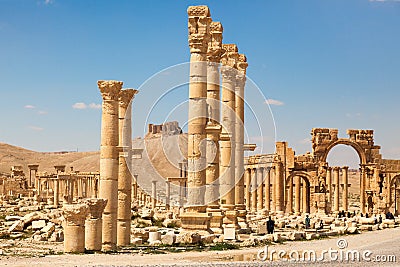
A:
{"points": [[39, 224]]}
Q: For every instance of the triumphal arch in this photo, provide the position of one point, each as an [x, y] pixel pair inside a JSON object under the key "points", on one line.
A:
{"points": [[311, 185]]}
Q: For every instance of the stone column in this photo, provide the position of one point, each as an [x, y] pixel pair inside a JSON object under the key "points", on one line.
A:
{"points": [[239, 134], [297, 190], [248, 189], [260, 176], [74, 228], [135, 187], [109, 161], [167, 194], [337, 186], [289, 205], [279, 182], [153, 194], [345, 195], [362, 189], [268, 189], [56, 191], [329, 183], [213, 128], [199, 22], [304, 196], [273, 188], [227, 144], [93, 223], [125, 161], [181, 192], [253, 190]]}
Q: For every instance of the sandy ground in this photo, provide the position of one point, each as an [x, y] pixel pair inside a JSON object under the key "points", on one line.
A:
{"points": [[385, 242]]}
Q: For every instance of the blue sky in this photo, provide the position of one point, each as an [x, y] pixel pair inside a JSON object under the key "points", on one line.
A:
{"points": [[332, 63]]}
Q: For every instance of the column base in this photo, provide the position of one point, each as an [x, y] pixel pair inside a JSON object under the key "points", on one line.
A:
{"points": [[230, 219], [195, 221], [215, 220]]}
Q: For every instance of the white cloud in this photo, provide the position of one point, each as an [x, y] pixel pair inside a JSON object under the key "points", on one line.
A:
{"points": [[42, 112], [29, 106], [274, 102], [94, 106], [48, 2], [79, 105], [36, 128], [353, 115]]}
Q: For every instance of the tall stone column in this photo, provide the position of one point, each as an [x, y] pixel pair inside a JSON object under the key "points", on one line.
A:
{"points": [[109, 153], [153, 194], [260, 187], [362, 188], [329, 183], [304, 197], [199, 22], [289, 205], [345, 173], [279, 182], [273, 188], [125, 161], [74, 228], [297, 190], [268, 189], [135, 187], [56, 191], [167, 194], [337, 186], [93, 223], [213, 128], [241, 65], [253, 189], [247, 179]]}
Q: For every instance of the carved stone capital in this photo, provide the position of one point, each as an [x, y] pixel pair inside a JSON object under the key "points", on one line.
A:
{"points": [[199, 28], [75, 213], [126, 96], [109, 89], [215, 50], [230, 56], [242, 63], [96, 207]]}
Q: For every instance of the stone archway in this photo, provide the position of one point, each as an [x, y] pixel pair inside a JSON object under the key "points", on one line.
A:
{"points": [[343, 141], [298, 193]]}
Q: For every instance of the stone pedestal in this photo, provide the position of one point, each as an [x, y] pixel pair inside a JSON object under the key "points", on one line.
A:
{"points": [[94, 223], [109, 153], [74, 228]]}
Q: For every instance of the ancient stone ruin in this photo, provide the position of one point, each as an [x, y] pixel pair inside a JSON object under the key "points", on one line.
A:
{"points": [[221, 194]]}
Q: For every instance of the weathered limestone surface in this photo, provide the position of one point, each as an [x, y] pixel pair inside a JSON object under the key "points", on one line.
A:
{"points": [[125, 160], [74, 227], [94, 223], [109, 153]]}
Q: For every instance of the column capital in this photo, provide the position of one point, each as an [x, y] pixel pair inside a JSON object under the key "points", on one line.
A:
{"points": [[242, 64], [199, 28], [215, 50], [75, 213], [345, 168], [336, 168], [96, 207], [109, 89], [230, 56], [125, 96]]}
